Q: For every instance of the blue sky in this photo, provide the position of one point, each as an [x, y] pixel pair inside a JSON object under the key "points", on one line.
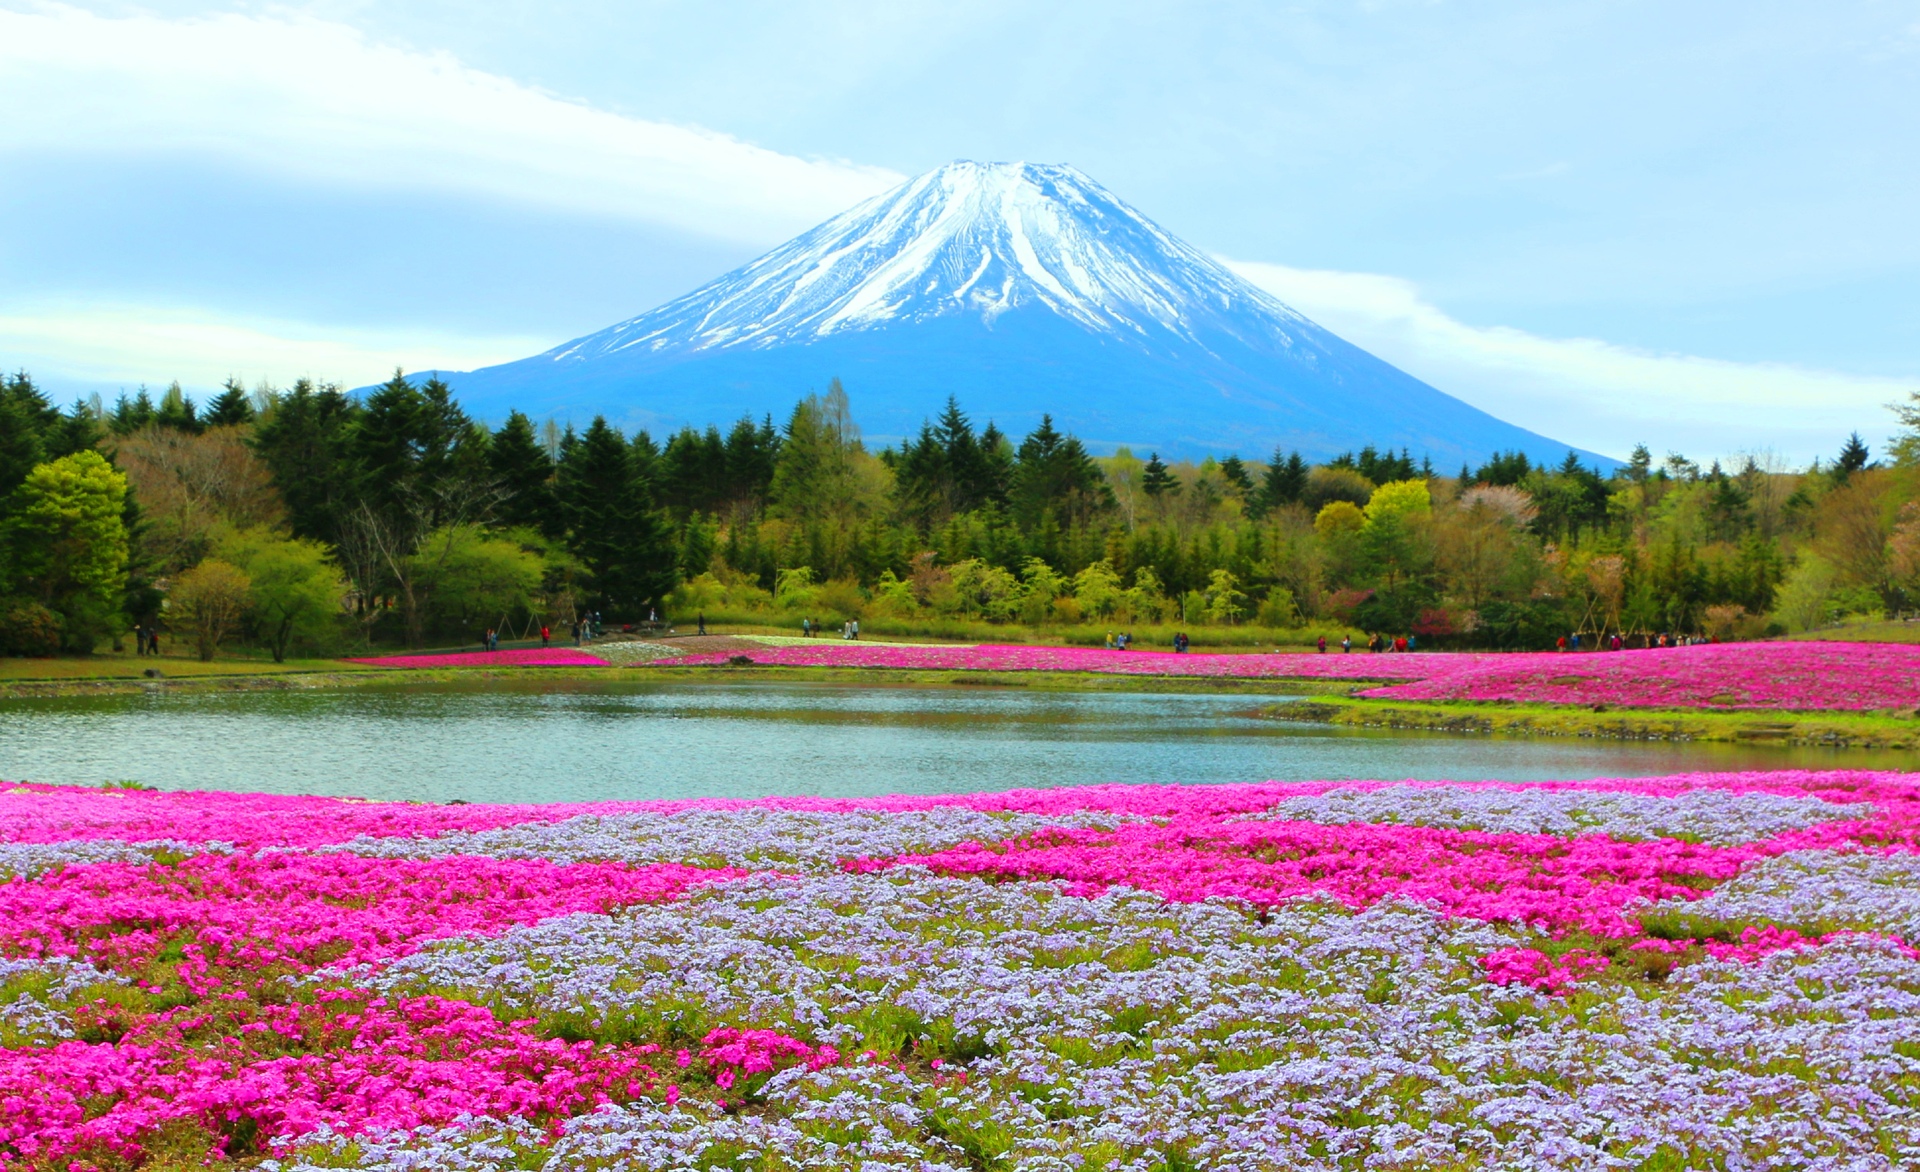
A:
{"points": [[1690, 225]]}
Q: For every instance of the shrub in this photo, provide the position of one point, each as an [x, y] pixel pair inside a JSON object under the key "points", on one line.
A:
{"points": [[27, 628]]}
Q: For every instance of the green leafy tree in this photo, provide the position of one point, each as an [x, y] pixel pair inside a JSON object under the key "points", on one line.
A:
{"points": [[66, 544], [208, 602], [472, 580], [296, 592]]}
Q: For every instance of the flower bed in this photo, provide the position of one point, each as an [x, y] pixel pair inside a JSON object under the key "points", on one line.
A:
{"points": [[1706, 970], [1017, 657], [1798, 676], [513, 657], [1744, 676]]}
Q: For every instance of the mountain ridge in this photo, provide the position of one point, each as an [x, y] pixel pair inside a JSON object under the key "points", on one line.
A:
{"points": [[1021, 289]]}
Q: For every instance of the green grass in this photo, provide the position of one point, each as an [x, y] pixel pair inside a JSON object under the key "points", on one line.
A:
{"points": [[128, 666], [1861, 730], [1865, 631]]}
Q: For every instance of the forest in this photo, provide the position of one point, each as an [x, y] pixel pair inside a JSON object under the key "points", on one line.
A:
{"points": [[307, 520]]}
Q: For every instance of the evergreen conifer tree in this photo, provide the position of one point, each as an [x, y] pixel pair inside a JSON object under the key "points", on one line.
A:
{"points": [[524, 474], [231, 407], [1156, 481], [611, 523]]}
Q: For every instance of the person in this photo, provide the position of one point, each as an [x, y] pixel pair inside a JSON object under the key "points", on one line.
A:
{"points": [[1322, 645], [806, 628], [653, 614], [856, 628], [153, 639], [1400, 644], [703, 622], [1413, 642], [576, 632], [1560, 644], [1576, 640], [1346, 644], [486, 639], [1109, 640], [546, 636], [1373, 643]]}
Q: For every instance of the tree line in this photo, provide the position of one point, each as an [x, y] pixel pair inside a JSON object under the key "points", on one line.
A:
{"points": [[308, 517]]}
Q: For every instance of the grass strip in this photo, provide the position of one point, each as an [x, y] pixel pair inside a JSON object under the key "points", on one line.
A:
{"points": [[1858, 730]]}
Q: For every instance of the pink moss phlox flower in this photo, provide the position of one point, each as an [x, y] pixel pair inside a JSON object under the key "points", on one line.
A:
{"points": [[1019, 657], [737, 1053], [1802, 676], [1798, 676], [1537, 970], [34, 813], [364, 1063], [518, 657], [303, 910]]}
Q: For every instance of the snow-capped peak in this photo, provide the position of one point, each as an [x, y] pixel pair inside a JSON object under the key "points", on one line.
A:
{"points": [[968, 238]]}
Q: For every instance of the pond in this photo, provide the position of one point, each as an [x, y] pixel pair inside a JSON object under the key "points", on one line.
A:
{"points": [[582, 740]]}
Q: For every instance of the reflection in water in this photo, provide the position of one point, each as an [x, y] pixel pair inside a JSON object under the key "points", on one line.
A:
{"points": [[577, 741]]}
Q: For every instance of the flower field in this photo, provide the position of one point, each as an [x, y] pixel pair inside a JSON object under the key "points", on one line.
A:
{"points": [[512, 657], [1698, 971], [1802, 676], [1793, 676]]}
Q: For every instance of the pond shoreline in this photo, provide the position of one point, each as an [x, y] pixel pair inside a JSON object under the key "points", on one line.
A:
{"points": [[642, 673], [1840, 730]]}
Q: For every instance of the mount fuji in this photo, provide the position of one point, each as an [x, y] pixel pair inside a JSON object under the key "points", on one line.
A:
{"points": [[1019, 289]]}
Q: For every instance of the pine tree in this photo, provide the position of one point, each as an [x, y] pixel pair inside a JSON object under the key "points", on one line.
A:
{"points": [[1233, 473], [611, 525], [750, 457], [303, 441], [1853, 457], [130, 415], [524, 473], [1156, 481], [231, 407], [1285, 481], [176, 411]]}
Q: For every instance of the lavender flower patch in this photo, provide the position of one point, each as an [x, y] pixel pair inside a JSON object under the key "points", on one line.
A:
{"points": [[1032, 1030], [35, 997], [1823, 891], [1717, 817], [27, 859], [754, 837]]}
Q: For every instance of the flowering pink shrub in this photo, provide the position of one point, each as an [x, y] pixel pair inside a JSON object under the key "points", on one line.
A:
{"points": [[1729, 675], [303, 911], [513, 657], [1799, 676], [281, 968], [348, 1059], [1015, 657], [753, 1055], [1535, 969]]}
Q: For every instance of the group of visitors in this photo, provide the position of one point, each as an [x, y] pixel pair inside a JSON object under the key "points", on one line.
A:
{"points": [[491, 640], [1181, 643], [811, 628], [1119, 642], [146, 639]]}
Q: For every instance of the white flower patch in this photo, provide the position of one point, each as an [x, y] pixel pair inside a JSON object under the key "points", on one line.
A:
{"points": [[753, 837], [32, 992], [1717, 817], [1154, 1033], [1824, 890]]}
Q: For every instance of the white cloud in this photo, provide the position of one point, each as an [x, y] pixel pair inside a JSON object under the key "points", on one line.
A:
{"points": [[317, 100], [1592, 393], [146, 344]]}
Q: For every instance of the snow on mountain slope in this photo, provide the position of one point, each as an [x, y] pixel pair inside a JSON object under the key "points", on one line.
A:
{"points": [[1022, 289], [968, 238]]}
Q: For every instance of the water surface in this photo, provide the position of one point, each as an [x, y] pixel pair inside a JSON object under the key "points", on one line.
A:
{"points": [[584, 740]]}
